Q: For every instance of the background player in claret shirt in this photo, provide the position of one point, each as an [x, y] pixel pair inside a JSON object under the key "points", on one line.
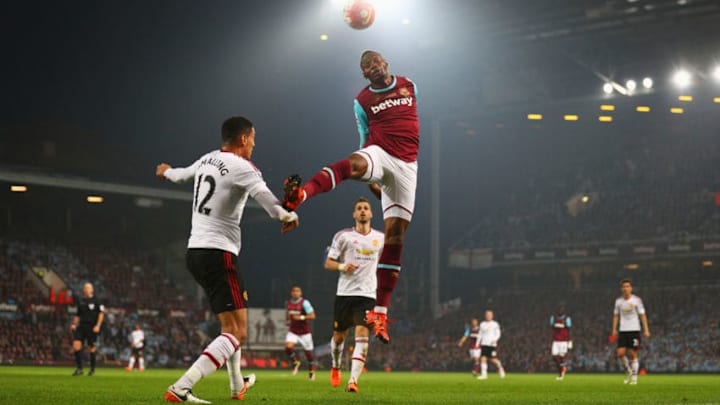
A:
{"points": [[223, 181], [389, 128], [629, 312], [137, 345], [299, 312], [489, 336], [354, 254], [86, 326], [472, 332], [560, 324]]}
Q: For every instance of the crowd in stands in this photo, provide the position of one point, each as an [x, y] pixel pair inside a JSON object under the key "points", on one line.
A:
{"points": [[642, 184], [34, 327], [684, 326], [681, 307]]}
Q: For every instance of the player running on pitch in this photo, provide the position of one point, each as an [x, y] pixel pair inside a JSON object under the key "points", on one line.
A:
{"points": [[354, 255]]}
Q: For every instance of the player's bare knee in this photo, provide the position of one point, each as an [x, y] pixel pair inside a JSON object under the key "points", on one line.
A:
{"points": [[358, 166]]}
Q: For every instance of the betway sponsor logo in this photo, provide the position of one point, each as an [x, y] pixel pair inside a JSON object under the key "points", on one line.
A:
{"points": [[391, 103]]}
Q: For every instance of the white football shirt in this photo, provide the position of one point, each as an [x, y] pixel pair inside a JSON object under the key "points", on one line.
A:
{"points": [[351, 246], [222, 183], [137, 337], [629, 311], [489, 333]]}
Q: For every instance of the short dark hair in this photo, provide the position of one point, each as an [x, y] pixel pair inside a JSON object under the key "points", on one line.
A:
{"points": [[233, 127], [361, 200], [367, 54], [625, 280]]}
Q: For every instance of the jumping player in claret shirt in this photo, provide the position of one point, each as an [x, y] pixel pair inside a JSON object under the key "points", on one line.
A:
{"points": [[389, 128]]}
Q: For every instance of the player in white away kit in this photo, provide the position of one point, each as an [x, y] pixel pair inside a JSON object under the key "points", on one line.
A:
{"points": [[354, 254], [489, 336], [223, 181], [629, 312], [137, 344]]}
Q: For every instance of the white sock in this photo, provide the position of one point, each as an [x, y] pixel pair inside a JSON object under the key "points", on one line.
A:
{"points": [[141, 363], [234, 372], [634, 366], [358, 358], [626, 363], [131, 363], [215, 354], [500, 367], [483, 369], [380, 310], [336, 350]]}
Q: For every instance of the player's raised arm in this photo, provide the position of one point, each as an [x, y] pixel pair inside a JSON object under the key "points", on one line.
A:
{"points": [[272, 206], [176, 175]]}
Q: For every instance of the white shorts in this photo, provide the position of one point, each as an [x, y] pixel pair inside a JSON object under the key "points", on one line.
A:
{"points": [[559, 348], [397, 178], [474, 353], [305, 340]]}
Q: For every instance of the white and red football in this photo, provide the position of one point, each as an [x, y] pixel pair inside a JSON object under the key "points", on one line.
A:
{"points": [[359, 14]]}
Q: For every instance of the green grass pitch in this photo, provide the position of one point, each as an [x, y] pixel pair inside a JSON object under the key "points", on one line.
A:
{"points": [[54, 385]]}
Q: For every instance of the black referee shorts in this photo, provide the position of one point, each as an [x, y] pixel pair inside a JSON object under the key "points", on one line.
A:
{"points": [[350, 311], [216, 272], [85, 334]]}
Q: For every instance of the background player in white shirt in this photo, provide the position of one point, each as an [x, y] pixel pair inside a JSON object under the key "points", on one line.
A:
{"points": [[489, 336], [629, 312], [354, 254], [223, 181], [137, 345]]}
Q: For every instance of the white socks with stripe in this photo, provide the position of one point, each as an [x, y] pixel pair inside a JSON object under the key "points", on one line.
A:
{"points": [[215, 354], [336, 350], [358, 358], [236, 377], [634, 366], [626, 363]]}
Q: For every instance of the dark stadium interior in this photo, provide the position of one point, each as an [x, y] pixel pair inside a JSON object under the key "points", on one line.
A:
{"points": [[531, 213]]}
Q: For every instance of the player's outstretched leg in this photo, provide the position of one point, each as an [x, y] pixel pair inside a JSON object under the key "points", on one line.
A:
{"points": [[323, 181]]}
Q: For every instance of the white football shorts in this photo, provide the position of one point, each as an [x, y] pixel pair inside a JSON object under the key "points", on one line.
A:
{"points": [[397, 178], [559, 348], [305, 340]]}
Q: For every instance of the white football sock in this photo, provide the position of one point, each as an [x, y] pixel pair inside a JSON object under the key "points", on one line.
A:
{"points": [[336, 350], [131, 363], [634, 365], [141, 363], [626, 363], [358, 358], [234, 372], [380, 310], [215, 354], [483, 369]]}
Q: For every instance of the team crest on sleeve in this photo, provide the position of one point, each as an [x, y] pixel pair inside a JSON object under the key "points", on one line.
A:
{"points": [[404, 92]]}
